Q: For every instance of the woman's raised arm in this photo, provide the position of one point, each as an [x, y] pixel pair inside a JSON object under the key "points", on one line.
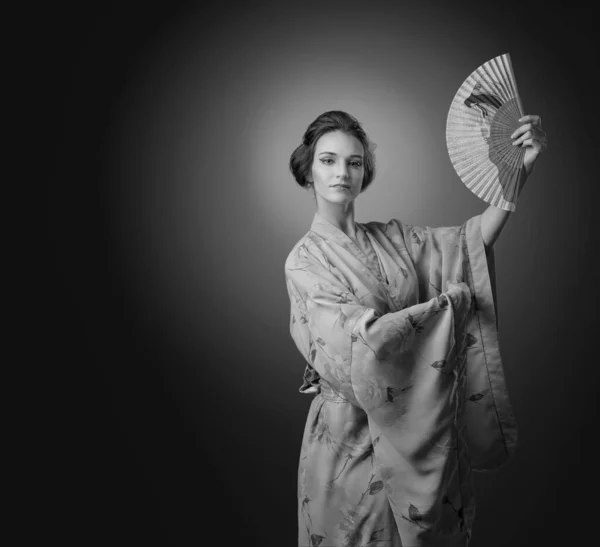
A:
{"points": [[532, 137]]}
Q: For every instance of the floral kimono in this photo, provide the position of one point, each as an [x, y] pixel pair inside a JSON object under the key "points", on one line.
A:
{"points": [[400, 338]]}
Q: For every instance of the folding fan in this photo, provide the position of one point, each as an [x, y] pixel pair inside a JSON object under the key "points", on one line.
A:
{"points": [[483, 115]]}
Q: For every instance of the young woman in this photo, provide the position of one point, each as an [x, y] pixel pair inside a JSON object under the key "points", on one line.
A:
{"points": [[397, 325]]}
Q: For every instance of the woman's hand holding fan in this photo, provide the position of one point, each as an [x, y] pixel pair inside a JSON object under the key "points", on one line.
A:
{"points": [[532, 137]]}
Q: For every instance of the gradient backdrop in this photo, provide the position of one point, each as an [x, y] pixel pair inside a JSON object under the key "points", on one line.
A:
{"points": [[172, 210]]}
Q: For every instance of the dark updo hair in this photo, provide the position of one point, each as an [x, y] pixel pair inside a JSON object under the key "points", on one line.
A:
{"points": [[335, 120]]}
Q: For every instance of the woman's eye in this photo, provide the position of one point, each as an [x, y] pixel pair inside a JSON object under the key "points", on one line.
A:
{"points": [[353, 163]]}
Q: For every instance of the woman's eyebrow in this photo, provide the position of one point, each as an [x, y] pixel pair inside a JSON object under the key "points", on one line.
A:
{"points": [[334, 154]]}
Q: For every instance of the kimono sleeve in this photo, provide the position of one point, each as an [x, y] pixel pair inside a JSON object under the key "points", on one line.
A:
{"points": [[349, 344], [455, 255]]}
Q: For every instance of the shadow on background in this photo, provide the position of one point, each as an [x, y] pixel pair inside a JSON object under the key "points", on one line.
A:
{"points": [[172, 210]]}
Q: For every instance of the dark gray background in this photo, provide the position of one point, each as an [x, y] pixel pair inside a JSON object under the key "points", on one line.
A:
{"points": [[172, 210]]}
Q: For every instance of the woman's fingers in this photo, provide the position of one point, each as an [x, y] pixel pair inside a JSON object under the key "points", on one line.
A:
{"points": [[531, 118], [530, 132], [525, 136], [530, 122], [533, 143], [529, 140], [522, 130]]}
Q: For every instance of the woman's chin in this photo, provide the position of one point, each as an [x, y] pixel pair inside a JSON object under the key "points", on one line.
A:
{"points": [[337, 197], [340, 197], [341, 201]]}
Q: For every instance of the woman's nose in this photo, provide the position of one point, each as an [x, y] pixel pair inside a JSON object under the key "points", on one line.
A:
{"points": [[343, 172]]}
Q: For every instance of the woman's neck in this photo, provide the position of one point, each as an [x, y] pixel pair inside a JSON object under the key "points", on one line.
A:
{"points": [[340, 215]]}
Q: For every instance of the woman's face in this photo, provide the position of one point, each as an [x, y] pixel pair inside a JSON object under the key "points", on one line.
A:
{"points": [[338, 167]]}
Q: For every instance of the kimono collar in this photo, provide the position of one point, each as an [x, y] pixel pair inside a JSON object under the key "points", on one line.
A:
{"points": [[324, 228], [367, 254]]}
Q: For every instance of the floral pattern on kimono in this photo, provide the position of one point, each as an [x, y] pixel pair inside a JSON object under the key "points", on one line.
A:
{"points": [[399, 334]]}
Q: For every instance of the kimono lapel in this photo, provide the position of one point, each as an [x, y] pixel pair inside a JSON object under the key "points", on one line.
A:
{"points": [[397, 292], [374, 271]]}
